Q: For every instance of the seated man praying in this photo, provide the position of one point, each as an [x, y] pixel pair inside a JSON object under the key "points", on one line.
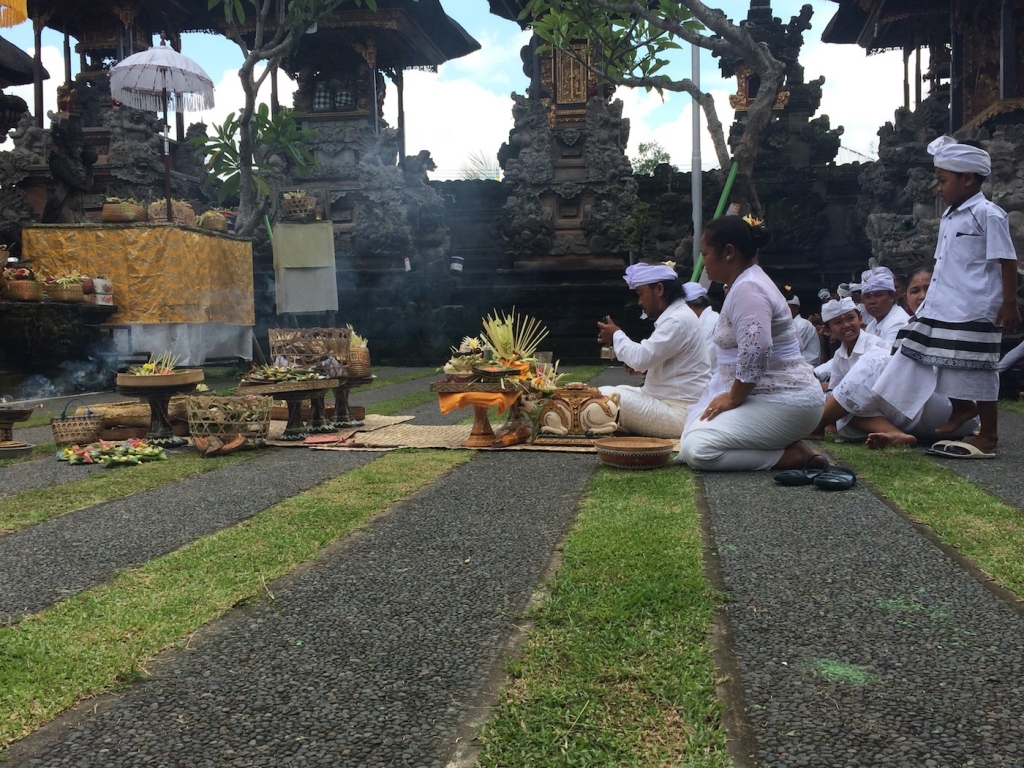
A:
{"points": [[885, 316], [674, 356]]}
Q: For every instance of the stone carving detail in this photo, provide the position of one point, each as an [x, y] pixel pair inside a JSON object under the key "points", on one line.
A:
{"points": [[29, 140], [526, 157], [136, 153], [71, 165]]}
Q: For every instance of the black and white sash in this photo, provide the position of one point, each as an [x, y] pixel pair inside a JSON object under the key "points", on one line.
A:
{"points": [[975, 345]]}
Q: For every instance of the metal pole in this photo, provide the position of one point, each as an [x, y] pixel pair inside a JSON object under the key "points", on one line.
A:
{"points": [[167, 162], [696, 172]]}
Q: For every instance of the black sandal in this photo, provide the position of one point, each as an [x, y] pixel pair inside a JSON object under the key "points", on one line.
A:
{"points": [[805, 476]]}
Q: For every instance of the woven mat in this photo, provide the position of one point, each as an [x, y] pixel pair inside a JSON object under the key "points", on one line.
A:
{"points": [[371, 423], [452, 437]]}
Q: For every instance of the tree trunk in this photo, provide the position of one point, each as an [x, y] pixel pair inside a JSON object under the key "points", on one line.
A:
{"points": [[759, 115]]}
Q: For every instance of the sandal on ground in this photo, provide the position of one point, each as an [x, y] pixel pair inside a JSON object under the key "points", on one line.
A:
{"points": [[957, 449], [835, 479], [803, 476]]}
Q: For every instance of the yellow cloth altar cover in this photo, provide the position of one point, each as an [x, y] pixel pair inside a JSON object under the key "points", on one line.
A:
{"points": [[162, 273], [451, 400]]}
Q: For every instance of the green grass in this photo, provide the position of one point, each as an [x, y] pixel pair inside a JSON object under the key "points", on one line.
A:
{"points": [[36, 420], [91, 641], [582, 373], [403, 402], [391, 380], [1014, 406], [31, 507], [979, 526], [39, 450], [618, 669]]}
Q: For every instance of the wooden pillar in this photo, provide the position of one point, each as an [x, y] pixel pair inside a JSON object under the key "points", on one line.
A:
{"points": [[956, 81], [67, 59], [535, 82], [906, 78], [37, 69], [400, 89], [1007, 52], [917, 78]]}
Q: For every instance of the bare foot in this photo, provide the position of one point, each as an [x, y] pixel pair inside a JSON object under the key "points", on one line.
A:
{"points": [[796, 456], [986, 444], [816, 436], [878, 440], [960, 416]]}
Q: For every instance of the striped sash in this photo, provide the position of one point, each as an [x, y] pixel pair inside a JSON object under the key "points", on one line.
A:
{"points": [[974, 345]]}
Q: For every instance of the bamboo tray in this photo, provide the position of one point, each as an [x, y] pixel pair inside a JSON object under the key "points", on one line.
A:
{"points": [[282, 387], [449, 387], [176, 379]]}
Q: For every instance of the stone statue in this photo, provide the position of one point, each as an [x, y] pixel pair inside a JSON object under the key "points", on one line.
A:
{"points": [[29, 140], [136, 146], [71, 165]]}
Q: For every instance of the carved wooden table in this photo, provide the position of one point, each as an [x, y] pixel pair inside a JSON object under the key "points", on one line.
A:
{"points": [[293, 393], [342, 413], [158, 390], [481, 395]]}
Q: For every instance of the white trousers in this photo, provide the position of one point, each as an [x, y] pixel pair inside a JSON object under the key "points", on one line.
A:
{"points": [[750, 437], [641, 414], [907, 384]]}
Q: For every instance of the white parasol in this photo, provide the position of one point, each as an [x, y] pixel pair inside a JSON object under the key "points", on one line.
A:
{"points": [[162, 78]]}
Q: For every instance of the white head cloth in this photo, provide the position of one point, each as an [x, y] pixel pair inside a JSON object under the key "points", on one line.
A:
{"points": [[843, 291], [951, 155], [835, 308], [693, 291], [794, 302], [823, 294], [646, 274], [879, 279], [854, 287]]}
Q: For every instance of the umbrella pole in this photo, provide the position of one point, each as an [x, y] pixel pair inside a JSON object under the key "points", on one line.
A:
{"points": [[167, 163]]}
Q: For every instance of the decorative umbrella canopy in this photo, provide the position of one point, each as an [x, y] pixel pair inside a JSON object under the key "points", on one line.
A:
{"points": [[13, 12], [159, 78]]}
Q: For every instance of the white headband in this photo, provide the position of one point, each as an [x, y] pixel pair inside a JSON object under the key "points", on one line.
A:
{"points": [[834, 309], [951, 155], [646, 274], [824, 294], [879, 279], [693, 291], [795, 301], [843, 291]]}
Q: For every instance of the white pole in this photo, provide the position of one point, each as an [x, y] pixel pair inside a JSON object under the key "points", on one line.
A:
{"points": [[696, 174]]}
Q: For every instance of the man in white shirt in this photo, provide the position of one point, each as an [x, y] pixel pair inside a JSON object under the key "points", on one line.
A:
{"points": [[697, 299], [885, 316], [674, 357], [810, 346]]}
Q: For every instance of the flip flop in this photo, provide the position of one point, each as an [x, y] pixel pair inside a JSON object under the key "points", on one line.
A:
{"points": [[835, 479], [957, 449], [803, 476]]}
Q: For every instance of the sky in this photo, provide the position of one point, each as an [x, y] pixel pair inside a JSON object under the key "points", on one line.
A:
{"points": [[465, 108]]}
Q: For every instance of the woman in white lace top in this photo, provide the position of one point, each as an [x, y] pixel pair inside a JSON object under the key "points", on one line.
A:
{"points": [[764, 396]]}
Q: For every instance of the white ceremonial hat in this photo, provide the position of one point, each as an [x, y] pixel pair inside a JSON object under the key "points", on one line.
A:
{"points": [[951, 155], [880, 279], [647, 274], [693, 291], [835, 308], [843, 290], [795, 301]]}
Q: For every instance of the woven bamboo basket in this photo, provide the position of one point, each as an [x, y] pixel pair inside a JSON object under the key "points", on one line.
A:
{"points": [[246, 415], [123, 213], [183, 213], [68, 293], [358, 363], [309, 347], [298, 206], [23, 290], [215, 222], [80, 430]]}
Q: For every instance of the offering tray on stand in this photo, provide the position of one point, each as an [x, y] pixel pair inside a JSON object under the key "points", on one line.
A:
{"points": [[482, 395], [157, 390], [9, 447], [293, 393]]}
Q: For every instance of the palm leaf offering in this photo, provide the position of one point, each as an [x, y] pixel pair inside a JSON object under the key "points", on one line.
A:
{"points": [[160, 365], [513, 336]]}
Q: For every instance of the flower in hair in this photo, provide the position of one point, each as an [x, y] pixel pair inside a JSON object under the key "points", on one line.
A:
{"points": [[752, 221]]}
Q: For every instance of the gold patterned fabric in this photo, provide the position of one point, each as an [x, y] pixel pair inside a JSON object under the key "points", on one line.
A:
{"points": [[162, 273]]}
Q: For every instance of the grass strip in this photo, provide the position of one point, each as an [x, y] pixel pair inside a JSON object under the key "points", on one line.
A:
{"points": [[401, 403], [618, 669], [92, 641], [31, 507], [979, 526], [36, 420], [392, 380], [1014, 406], [39, 450]]}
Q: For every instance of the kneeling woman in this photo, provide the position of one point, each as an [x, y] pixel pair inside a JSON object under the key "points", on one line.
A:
{"points": [[764, 397]]}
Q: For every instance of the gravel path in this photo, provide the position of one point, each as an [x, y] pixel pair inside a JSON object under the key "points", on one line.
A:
{"points": [[370, 658], [41, 473], [860, 642], [47, 562], [1004, 475]]}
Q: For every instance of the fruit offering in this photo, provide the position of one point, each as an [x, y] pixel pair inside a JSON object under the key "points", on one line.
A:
{"points": [[130, 453]]}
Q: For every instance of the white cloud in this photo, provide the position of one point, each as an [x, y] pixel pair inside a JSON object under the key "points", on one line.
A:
{"points": [[228, 97]]}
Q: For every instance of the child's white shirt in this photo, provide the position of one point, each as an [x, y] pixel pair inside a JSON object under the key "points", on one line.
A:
{"points": [[967, 283]]}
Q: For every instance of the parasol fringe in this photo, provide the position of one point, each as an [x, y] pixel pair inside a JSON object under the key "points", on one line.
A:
{"points": [[13, 12]]}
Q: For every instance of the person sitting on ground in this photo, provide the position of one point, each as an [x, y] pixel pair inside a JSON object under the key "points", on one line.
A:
{"points": [[844, 324], [810, 343], [697, 300], [674, 357], [764, 398], [953, 343], [861, 414], [885, 316]]}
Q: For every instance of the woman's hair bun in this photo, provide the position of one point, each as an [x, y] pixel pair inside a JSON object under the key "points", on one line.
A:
{"points": [[760, 235]]}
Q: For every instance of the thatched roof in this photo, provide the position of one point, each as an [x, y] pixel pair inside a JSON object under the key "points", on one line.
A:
{"points": [[16, 66]]}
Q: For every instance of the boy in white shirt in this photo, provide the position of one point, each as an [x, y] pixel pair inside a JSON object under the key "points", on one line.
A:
{"points": [[952, 346]]}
